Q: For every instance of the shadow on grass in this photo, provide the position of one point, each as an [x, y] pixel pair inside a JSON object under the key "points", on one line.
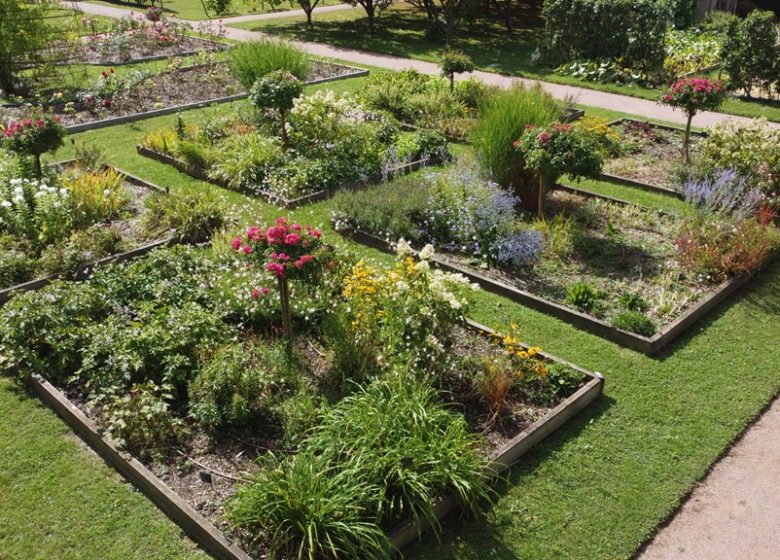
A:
{"points": [[490, 533]]}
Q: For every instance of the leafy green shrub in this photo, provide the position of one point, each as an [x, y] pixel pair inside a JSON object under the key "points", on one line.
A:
{"points": [[719, 22], [583, 296], [752, 150], [192, 152], [634, 321], [16, 264], [751, 55], [90, 157], [72, 255], [163, 141], [690, 51], [629, 30], [313, 510], [502, 120], [97, 196], [253, 60], [238, 385], [192, 216], [141, 421]]}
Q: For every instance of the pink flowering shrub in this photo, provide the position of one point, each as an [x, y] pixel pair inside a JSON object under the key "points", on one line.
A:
{"points": [[290, 251], [33, 137], [693, 95]]}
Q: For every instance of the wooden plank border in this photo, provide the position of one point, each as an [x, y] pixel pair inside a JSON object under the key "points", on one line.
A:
{"points": [[113, 121], [286, 203], [216, 542], [647, 345]]}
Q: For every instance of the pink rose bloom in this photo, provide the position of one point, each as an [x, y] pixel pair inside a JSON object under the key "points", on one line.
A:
{"points": [[292, 239], [544, 137], [265, 291], [236, 244], [255, 293], [247, 249]]}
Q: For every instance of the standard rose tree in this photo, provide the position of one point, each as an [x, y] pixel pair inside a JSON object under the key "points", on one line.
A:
{"points": [[289, 251], [33, 137], [693, 95]]}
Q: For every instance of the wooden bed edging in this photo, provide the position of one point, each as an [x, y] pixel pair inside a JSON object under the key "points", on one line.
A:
{"points": [[135, 472], [647, 345], [286, 203], [38, 283], [513, 450], [215, 541], [112, 121]]}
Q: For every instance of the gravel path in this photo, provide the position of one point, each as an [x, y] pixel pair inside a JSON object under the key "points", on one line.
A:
{"points": [[734, 513]]}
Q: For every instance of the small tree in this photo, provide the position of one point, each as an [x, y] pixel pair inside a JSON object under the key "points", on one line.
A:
{"points": [[34, 137], [277, 91], [455, 62], [289, 252], [550, 152], [693, 95], [308, 7]]}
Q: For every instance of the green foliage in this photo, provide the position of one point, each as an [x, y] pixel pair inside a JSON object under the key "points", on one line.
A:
{"points": [[33, 137], [690, 51], [276, 90], [141, 421], [90, 157], [719, 22], [751, 54], [238, 386], [633, 302], [71, 256], [245, 160], [631, 31], [557, 150], [583, 296], [219, 7], [502, 120], [96, 196], [313, 510], [253, 60], [191, 216], [16, 265], [634, 321]]}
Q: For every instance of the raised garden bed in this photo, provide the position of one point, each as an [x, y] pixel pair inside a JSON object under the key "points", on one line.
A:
{"points": [[95, 50], [653, 152], [619, 264], [202, 528], [286, 203], [195, 454], [135, 98], [135, 190]]}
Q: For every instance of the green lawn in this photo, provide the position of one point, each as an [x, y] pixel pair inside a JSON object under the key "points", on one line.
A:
{"points": [[595, 490], [193, 9], [401, 32]]}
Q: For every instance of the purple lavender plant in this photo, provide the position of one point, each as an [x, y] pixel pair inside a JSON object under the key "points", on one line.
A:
{"points": [[519, 249], [726, 193]]}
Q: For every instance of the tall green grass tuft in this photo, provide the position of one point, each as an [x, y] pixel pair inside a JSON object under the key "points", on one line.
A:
{"points": [[502, 121], [254, 59]]}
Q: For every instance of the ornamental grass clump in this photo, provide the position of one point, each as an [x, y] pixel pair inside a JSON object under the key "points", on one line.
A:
{"points": [[253, 60], [692, 95], [289, 251]]}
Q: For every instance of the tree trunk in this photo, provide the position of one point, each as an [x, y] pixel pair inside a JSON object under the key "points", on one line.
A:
{"points": [[687, 138], [284, 294], [308, 17], [452, 82], [38, 166], [371, 16]]}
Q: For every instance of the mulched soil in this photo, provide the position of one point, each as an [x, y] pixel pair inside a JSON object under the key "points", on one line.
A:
{"points": [[654, 154], [96, 50], [168, 89]]}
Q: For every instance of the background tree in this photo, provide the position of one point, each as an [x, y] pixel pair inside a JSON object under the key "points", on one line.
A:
{"points": [[444, 16], [373, 8], [751, 53], [308, 7], [26, 39]]}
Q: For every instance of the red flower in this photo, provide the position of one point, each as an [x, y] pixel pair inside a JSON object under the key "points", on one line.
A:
{"points": [[255, 293], [236, 244], [247, 250], [105, 74], [292, 239], [106, 103]]}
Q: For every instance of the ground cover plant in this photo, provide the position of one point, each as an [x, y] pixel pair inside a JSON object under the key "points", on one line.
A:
{"points": [[222, 382], [294, 145], [66, 218], [634, 268]]}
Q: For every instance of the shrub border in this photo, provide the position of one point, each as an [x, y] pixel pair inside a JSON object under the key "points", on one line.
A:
{"points": [[38, 283], [112, 121], [647, 345], [639, 184], [286, 203], [216, 542]]}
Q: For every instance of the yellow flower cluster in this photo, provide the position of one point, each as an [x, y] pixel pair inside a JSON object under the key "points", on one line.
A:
{"points": [[510, 344]]}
